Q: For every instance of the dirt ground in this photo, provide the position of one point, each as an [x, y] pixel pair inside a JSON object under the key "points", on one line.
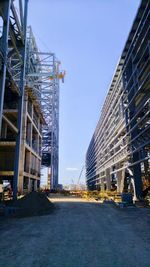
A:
{"points": [[78, 234]]}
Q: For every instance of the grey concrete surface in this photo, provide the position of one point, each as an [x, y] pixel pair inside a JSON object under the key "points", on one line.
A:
{"points": [[78, 234]]}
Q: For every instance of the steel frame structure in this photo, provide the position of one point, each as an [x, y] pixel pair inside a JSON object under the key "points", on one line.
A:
{"points": [[120, 146], [136, 80], [23, 67], [43, 77], [13, 58]]}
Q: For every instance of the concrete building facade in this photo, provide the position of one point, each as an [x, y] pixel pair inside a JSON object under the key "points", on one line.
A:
{"points": [[31, 141]]}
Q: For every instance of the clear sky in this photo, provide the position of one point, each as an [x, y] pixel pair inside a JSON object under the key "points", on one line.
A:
{"points": [[88, 37]]}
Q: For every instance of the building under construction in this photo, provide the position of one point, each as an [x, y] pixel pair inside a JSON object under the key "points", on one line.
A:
{"points": [[118, 157], [29, 103]]}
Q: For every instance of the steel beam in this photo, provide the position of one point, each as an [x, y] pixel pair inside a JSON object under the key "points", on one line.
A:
{"points": [[5, 11], [11, 125]]}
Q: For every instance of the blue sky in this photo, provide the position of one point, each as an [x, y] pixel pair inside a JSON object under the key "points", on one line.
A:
{"points": [[88, 37]]}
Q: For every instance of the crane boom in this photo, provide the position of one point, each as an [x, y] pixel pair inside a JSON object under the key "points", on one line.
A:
{"points": [[80, 174]]}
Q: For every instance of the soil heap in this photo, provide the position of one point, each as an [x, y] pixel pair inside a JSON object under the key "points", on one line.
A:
{"points": [[32, 204]]}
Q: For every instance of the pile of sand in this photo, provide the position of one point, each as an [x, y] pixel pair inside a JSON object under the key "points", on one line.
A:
{"points": [[33, 204]]}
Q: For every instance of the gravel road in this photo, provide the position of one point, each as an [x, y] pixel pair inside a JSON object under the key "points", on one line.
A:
{"points": [[78, 234]]}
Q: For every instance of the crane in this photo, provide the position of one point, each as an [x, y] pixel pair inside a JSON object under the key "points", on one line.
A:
{"points": [[80, 175]]}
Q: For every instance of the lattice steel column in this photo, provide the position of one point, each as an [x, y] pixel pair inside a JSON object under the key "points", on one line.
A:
{"points": [[44, 78]]}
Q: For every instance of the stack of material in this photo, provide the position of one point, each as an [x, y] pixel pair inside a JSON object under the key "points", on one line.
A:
{"points": [[33, 204]]}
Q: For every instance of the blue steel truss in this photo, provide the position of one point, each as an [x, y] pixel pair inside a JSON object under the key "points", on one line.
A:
{"points": [[43, 77]]}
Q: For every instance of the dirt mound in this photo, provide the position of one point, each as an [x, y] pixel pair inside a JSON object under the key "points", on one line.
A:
{"points": [[33, 204]]}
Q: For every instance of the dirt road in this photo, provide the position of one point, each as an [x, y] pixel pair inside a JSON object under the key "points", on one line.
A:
{"points": [[78, 234]]}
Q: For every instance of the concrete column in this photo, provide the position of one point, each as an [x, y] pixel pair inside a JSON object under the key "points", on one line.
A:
{"points": [[123, 180], [20, 184], [27, 169], [29, 130], [137, 176], [39, 124], [31, 133], [38, 143], [119, 178], [24, 122], [4, 130], [32, 110], [48, 178], [35, 185], [102, 185], [30, 160], [108, 182], [146, 165], [22, 146], [29, 185]]}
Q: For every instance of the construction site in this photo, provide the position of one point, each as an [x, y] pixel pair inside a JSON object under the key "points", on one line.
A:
{"points": [[118, 157], [103, 221], [29, 104]]}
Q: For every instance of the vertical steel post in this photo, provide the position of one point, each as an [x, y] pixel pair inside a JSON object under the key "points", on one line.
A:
{"points": [[57, 133], [52, 129], [55, 122], [21, 13], [20, 106], [5, 5]]}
